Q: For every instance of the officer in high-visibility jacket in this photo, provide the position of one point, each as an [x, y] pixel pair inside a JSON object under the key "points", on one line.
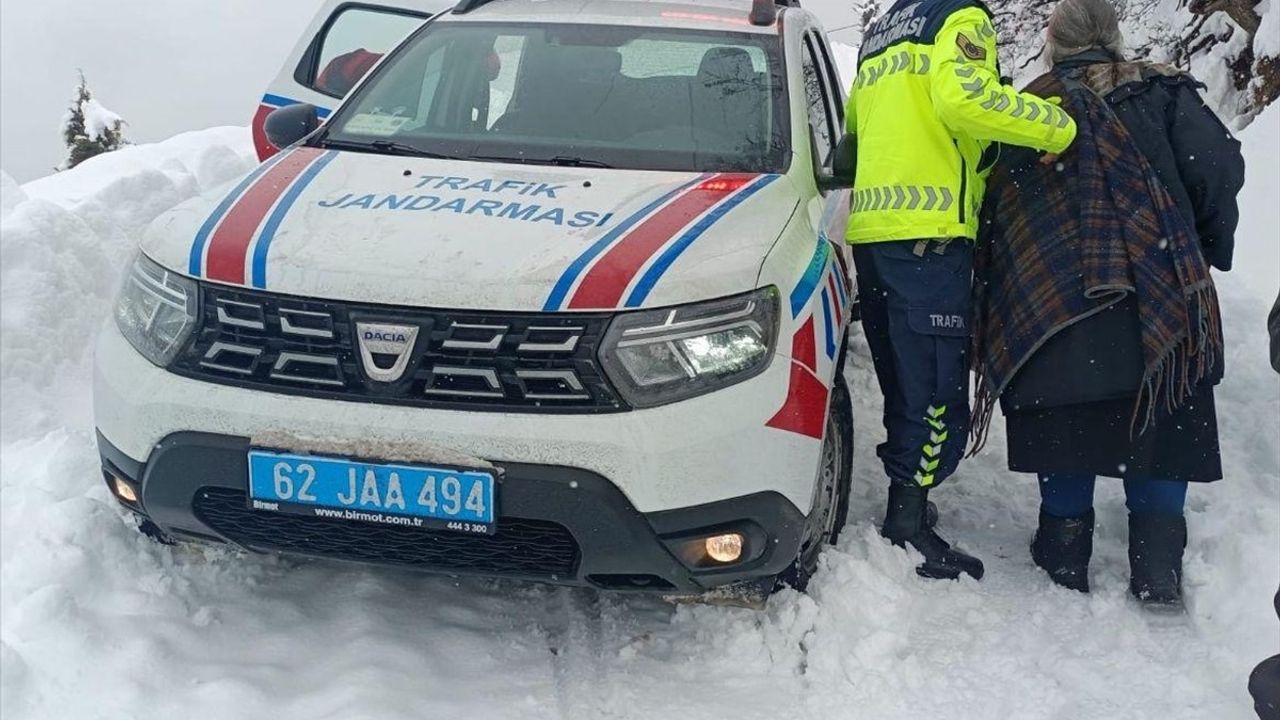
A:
{"points": [[927, 110]]}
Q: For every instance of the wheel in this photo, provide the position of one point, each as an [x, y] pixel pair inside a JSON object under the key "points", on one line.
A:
{"points": [[830, 512]]}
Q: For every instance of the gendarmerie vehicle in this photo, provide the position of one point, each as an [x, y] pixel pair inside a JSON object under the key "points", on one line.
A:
{"points": [[542, 289]]}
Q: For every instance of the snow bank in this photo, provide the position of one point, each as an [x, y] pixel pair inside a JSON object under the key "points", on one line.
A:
{"points": [[63, 240], [11, 194], [96, 622]]}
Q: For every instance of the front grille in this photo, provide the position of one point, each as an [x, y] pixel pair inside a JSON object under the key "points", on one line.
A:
{"points": [[527, 548], [515, 362]]}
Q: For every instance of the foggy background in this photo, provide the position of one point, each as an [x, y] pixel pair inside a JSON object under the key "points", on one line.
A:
{"points": [[165, 67]]}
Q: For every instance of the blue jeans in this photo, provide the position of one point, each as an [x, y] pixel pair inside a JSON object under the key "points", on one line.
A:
{"points": [[1069, 496]]}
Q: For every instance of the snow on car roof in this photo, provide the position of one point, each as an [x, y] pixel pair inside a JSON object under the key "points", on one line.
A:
{"points": [[726, 15]]}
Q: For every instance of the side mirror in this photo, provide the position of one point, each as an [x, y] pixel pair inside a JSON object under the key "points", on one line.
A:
{"points": [[844, 165], [291, 123]]}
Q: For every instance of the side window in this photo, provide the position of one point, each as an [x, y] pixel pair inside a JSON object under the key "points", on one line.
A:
{"points": [[350, 44], [834, 88], [820, 116]]}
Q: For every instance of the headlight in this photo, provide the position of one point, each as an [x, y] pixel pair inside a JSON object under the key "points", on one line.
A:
{"points": [[656, 357], [156, 310]]}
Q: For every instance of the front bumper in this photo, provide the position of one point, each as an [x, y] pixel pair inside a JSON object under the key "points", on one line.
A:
{"points": [[694, 452], [557, 524]]}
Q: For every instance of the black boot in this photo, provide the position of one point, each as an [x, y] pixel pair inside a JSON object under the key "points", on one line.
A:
{"points": [[906, 522], [1062, 547], [1156, 543]]}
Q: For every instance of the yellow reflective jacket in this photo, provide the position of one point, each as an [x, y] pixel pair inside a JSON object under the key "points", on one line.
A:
{"points": [[925, 106]]}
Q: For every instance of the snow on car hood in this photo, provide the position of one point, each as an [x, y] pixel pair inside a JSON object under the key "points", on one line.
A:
{"points": [[444, 233]]}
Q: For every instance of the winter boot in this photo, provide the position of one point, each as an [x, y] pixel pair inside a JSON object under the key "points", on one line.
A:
{"points": [[1062, 547], [906, 522], [1156, 543]]}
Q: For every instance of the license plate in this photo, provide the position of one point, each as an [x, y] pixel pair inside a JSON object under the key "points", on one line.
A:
{"points": [[402, 495]]}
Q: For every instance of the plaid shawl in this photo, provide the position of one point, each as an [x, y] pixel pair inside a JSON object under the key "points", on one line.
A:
{"points": [[1059, 244]]}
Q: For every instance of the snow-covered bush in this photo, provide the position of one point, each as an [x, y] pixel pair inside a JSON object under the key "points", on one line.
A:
{"points": [[89, 128]]}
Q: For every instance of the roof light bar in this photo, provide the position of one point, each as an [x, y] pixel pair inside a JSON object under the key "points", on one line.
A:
{"points": [[763, 12], [465, 6]]}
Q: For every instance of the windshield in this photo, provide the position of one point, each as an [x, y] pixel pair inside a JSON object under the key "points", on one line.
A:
{"points": [[641, 98]]}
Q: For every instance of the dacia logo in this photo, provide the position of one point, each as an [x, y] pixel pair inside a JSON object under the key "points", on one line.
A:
{"points": [[395, 337], [385, 349]]}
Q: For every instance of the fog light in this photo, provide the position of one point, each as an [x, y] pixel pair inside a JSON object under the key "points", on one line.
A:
{"points": [[724, 548], [124, 490]]}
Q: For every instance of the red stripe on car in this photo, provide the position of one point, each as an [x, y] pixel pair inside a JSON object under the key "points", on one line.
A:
{"points": [[607, 280], [230, 242], [805, 410], [804, 348], [260, 142]]}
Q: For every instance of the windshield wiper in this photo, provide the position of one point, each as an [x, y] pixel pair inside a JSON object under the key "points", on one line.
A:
{"points": [[385, 147], [561, 160], [571, 161]]}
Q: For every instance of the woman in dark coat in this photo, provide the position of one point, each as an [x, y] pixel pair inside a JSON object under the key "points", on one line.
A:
{"points": [[1112, 378]]}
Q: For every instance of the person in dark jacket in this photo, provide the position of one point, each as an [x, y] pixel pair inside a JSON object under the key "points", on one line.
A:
{"points": [[1264, 683], [1113, 379], [1273, 327]]}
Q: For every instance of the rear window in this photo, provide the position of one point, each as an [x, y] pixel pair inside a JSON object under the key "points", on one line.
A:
{"points": [[643, 98]]}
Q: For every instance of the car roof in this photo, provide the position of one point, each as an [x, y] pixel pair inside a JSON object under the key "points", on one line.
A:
{"points": [[721, 15]]}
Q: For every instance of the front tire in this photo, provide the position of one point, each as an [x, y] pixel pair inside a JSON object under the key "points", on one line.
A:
{"points": [[830, 512]]}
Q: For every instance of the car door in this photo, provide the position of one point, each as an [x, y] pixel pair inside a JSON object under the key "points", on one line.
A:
{"points": [[825, 99], [343, 42]]}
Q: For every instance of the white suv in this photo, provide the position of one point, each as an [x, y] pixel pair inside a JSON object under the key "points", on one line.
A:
{"points": [[557, 292]]}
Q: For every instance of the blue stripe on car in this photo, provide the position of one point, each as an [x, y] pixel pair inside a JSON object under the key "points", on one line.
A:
{"points": [[259, 274], [202, 236], [840, 280], [282, 101], [812, 276], [571, 273], [668, 256], [826, 323]]}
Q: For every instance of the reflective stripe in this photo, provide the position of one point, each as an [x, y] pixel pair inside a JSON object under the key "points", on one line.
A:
{"points": [[932, 451], [975, 88], [905, 61], [898, 197]]}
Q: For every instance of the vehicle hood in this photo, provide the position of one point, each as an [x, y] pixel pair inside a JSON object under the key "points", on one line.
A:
{"points": [[477, 235]]}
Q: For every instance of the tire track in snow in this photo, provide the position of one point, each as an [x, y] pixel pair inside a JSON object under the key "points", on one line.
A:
{"points": [[574, 633]]}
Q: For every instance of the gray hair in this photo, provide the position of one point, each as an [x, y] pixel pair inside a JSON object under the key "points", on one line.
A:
{"points": [[1079, 25]]}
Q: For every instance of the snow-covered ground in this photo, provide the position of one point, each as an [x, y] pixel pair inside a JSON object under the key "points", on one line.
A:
{"points": [[96, 622]]}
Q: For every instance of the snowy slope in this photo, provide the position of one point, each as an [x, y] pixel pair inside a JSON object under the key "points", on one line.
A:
{"points": [[96, 622]]}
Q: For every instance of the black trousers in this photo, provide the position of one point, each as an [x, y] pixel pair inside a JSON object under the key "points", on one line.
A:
{"points": [[916, 307], [1264, 685]]}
